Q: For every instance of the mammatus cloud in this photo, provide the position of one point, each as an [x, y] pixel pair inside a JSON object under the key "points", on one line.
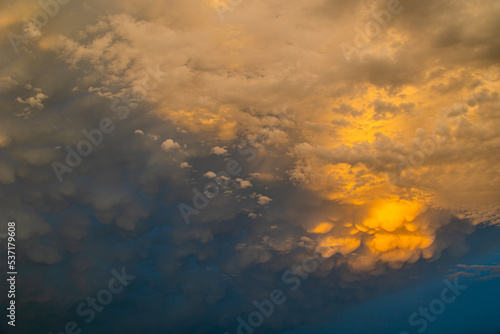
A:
{"points": [[169, 144], [248, 113]]}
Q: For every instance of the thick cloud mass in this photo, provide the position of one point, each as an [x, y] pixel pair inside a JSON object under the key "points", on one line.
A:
{"points": [[377, 159]]}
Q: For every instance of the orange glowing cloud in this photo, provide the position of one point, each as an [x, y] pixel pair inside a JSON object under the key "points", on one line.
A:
{"points": [[322, 228], [331, 245]]}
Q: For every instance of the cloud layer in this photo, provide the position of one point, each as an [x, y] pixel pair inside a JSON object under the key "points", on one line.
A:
{"points": [[375, 162]]}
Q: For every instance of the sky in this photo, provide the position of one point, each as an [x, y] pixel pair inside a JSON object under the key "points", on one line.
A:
{"points": [[250, 166]]}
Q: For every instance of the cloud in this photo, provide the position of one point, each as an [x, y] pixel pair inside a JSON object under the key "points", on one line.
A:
{"points": [[209, 175], [244, 183], [34, 101], [379, 165], [263, 200], [482, 272], [169, 145], [219, 150]]}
